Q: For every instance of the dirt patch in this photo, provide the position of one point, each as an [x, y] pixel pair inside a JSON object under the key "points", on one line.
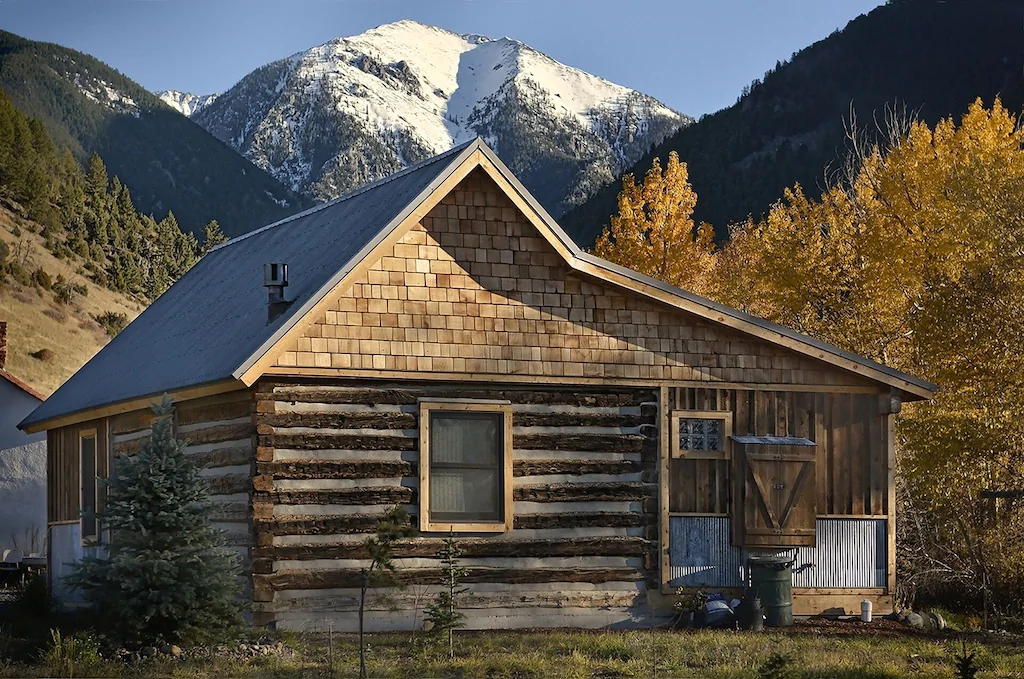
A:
{"points": [[879, 627]]}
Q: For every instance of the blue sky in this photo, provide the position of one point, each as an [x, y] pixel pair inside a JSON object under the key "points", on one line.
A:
{"points": [[694, 55]]}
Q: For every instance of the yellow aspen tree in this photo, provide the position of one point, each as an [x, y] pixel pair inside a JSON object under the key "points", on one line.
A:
{"points": [[654, 232], [918, 262]]}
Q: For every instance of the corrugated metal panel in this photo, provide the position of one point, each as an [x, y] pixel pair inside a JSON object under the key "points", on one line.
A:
{"points": [[850, 553], [701, 555]]}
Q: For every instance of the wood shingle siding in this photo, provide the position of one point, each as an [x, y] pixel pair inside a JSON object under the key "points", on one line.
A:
{"points": [[473, 289]]}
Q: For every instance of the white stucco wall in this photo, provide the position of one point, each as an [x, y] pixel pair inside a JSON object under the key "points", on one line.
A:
{"points": [[22, 475], [65, 549]]}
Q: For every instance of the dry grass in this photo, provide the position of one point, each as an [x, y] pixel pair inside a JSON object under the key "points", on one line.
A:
{"points": [[557, 653], [35, 322]]}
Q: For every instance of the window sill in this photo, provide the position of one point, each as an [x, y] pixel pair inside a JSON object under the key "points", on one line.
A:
{"points": [[442, 527]]}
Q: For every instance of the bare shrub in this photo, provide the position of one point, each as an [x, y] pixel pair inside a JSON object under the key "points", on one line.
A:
{"points": [[45, 355], [56, 314]]}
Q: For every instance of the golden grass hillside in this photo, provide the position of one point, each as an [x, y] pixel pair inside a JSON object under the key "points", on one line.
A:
{"points": [[37, 322]]}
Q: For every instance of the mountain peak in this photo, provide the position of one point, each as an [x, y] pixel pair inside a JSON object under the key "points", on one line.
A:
{"points": [[352, 110], [186, 103]]}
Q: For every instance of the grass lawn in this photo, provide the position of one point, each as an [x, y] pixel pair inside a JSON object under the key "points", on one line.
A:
{"points": [[833, 651]]}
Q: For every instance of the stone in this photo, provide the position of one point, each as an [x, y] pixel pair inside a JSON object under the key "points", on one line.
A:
{"points": [[175, 651], [914, 620], [147, 651]]}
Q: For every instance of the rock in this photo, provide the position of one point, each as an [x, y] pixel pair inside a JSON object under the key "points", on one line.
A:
{"points": [[147, 651], [940, 622], [914, 620], [175, 651], [427, 625]]}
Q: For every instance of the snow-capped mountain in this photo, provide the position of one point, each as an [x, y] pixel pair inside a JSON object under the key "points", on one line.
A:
{"points": [[339, 115], [185, 102]]}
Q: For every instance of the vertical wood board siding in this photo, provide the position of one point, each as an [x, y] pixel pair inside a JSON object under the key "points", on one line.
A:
{"points": [[63, 468], [851, 459]]}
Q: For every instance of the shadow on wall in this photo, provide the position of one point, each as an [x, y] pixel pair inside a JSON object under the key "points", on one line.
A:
{"points": [[23, 498]]}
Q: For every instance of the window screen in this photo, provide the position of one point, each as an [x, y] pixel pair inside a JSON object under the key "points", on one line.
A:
{"points": [[88, 471], [466, 466]]}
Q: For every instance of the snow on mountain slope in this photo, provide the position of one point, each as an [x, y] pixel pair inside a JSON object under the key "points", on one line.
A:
{"points": [[186, 103], [336, 116]]}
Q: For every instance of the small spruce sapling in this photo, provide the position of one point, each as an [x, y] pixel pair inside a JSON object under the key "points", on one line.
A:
{"points": [[382, 571], [966, 668], [777, 666], [444, 612], [166, 575]]}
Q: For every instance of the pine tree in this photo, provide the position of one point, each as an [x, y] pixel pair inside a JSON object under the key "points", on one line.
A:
{"points": [[443, 612], [212, 236], [96, 180], [166, 575]]}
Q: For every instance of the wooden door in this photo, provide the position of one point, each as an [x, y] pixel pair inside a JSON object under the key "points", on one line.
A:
{"points": [[778, 495]]}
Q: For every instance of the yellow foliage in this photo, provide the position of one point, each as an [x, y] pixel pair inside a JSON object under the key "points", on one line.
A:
{"points": [[919, 264], [654, 231]]}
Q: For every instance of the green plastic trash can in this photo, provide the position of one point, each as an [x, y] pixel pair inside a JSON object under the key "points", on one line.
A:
{"points": [[772, 578]]}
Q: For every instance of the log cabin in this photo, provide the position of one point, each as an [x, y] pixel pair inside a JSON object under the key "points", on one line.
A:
{"points": [[595, 438]]}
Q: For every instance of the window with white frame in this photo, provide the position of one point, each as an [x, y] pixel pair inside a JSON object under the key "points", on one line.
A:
{"points": [[465, 466], [89, 485], [701, 434]]}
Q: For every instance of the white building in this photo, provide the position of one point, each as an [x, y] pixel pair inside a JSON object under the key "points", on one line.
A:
{"points": [[22, 465]]}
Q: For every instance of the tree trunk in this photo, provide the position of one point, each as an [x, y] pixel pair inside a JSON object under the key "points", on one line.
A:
{"points": [[362, 605], [451, 613]]}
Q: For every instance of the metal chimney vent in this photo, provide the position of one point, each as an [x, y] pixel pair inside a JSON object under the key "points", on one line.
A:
{"points": [[275, 280]]}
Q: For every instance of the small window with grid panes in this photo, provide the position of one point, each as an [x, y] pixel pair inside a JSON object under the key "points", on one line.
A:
{"points": [[701, 435]]}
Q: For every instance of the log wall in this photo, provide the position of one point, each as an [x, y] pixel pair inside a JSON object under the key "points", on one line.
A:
{"points": [[220, 436], [332, 457]]}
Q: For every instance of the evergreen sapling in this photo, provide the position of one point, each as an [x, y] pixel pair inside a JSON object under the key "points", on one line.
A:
{"points": [[166, 575], [444, 612], [382, 572]]}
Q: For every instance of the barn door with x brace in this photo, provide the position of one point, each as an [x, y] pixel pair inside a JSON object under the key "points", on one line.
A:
{"points": [[777, 491]]}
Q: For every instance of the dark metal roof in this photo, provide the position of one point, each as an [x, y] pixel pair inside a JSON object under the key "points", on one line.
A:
{"points": [[211, 326], [214, 319], [773, 441]]}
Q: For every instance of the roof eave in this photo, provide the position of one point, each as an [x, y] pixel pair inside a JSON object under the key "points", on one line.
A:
{"points": [[24, 386], [33, 426]]}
